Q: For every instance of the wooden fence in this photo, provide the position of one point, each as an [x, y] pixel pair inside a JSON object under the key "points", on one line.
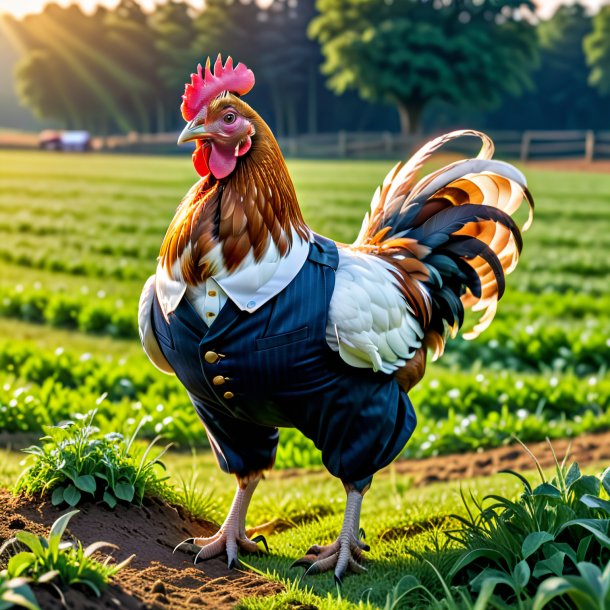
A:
{"points": [[523, 145]]}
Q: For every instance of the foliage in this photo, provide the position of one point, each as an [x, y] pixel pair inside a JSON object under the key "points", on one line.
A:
{"points": [[410, 53], [563, 95], [16, 593], [531, 548], [597, 50], [47, 560], [74, 465]]}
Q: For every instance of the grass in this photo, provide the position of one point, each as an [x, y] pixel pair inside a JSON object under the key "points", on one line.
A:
{"points": [[398, 519]]}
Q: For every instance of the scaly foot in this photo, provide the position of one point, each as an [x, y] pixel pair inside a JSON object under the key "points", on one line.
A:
{"points": [[232, 533], [228, 538], [345, 553]]}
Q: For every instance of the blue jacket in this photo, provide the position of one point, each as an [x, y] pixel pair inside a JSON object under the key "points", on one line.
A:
{"points": [[250, 373]]}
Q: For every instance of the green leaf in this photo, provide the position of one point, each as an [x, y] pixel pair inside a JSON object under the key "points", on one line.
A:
{"points": [[88, 583], [33, 542], [85, 482], [573, 475], [71, 495], [57, 530], [587, 484], [124, 491], [595, 502], [522, 573], [534, 541], [598, 527], [606, 480], [57, 497], [548, 590], [20, 595], [552, 565], [583, 547], [109, 499], [472, 556], [19, 563], [546, 489]]}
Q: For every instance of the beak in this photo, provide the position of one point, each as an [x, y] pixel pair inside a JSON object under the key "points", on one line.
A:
{"points": [[192, 132]]}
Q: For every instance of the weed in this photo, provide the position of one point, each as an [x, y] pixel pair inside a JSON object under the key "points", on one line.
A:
{"points": [[75, 463], [48, 560]]}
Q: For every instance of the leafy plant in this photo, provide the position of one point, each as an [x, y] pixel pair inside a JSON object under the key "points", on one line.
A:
{"points": [[47, 560], [590, 590], [553, 530], [16, 592], [75, 463]]}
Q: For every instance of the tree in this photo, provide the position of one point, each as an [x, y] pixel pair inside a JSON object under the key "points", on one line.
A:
{"points": [[563, 94], [409, 53], [174, 32], [597, 51]]}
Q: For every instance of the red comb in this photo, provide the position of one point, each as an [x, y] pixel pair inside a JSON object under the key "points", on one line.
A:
{"points": [[205, 86]]}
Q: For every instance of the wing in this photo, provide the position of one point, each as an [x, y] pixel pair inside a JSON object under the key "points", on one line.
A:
{"points": [[370, 323], [147, 336]]}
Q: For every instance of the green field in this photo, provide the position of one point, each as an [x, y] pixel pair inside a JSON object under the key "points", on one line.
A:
{"points": [[79, 235]]}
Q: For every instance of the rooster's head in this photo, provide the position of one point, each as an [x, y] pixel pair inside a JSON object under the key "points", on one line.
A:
{"points": [[218, 121]]}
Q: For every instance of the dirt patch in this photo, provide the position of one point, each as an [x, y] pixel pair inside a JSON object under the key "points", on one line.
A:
{"points": [[584, 450], [157, 578]]}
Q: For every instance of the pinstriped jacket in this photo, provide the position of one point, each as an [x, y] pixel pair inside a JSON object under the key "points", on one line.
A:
{"points": [[250, 373]]}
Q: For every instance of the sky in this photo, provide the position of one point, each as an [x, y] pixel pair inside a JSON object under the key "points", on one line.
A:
{"points": [[22, 7]]}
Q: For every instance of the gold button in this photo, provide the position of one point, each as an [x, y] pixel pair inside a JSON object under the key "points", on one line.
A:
{"points": [[211, 357], [211, 293], [228, 395], [210, 314], [218, 380]]}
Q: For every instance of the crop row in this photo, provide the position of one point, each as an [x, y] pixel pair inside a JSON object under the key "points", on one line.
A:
{"points": [[456, 411], [77, 263], [530, 343], [71, 311]]}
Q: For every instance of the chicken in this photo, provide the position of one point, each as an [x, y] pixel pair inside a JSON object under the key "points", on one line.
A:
{"points": [[269, 325]]}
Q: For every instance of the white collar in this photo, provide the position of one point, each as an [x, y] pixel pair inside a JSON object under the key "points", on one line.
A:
{"points": [[250, 287]]}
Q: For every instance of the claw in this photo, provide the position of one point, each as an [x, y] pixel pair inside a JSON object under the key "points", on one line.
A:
{"points": [[187, 541], [232, 564], [261, 538], [361, 533], [338, 581], [301, 563], [311, 570]]}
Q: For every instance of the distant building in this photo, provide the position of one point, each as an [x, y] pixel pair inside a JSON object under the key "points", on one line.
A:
{"points": [[78, 141]]}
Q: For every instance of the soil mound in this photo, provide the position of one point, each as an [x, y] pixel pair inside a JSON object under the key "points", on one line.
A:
{"points": [[156, 578]]}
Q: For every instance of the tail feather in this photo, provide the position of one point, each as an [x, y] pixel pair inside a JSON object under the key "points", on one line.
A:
{"points": [[456, 223]]}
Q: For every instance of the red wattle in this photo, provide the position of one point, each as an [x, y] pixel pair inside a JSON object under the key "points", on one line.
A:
{"points": [[201, 157]]}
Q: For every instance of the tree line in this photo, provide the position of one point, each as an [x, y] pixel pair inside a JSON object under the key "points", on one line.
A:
{"points": [[328, 65]]}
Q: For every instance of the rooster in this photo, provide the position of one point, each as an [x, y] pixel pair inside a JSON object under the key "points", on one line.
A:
{"points": [[269, 325]]}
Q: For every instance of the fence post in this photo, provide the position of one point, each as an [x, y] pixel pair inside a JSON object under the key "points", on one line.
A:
{"points": [[589, 146], [342, 144], [388, 143], [293, 145], [525, 146]]}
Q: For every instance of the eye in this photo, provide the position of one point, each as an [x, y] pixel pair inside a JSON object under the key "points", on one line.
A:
{"points": [[229, 118]]}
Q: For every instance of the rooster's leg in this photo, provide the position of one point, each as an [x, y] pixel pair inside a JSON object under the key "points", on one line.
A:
{"points": [[232, 533], [346, 552]]}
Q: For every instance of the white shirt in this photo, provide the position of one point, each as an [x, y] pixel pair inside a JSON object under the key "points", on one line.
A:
{"points": [[250, 287]]}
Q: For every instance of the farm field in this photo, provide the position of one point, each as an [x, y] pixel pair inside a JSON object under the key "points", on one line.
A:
{"points": [[78, 237]]}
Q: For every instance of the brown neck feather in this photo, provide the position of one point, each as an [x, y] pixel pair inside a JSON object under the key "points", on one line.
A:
{"points": [[255, 204]]}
